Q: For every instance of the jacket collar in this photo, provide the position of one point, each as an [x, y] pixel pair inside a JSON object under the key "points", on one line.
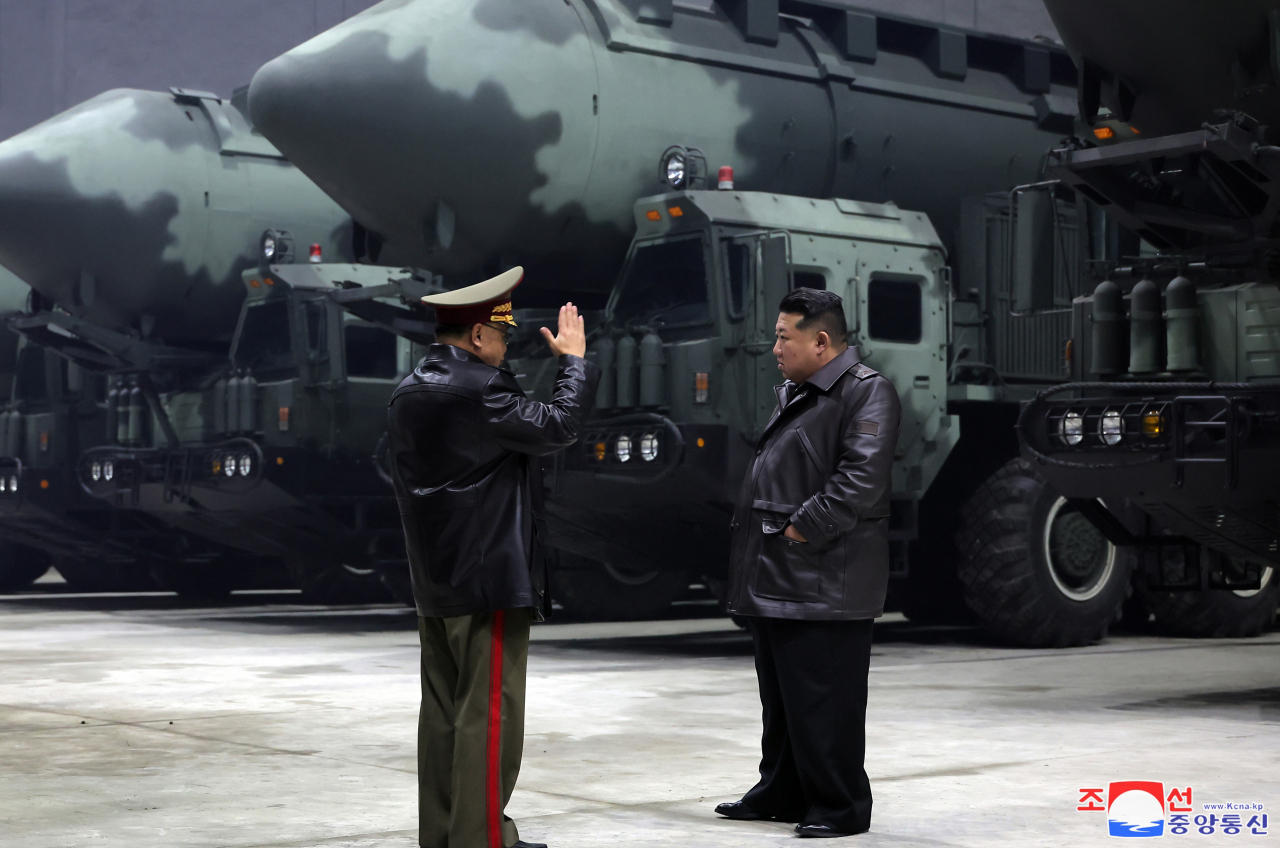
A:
{"points": [[822, 379], [447, 351], [825, 377]]}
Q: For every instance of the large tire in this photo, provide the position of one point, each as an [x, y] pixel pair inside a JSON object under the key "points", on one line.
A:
{"points": [[591, 590], [1215, 613], [326, 582], [20, 566], [1034, 570]]}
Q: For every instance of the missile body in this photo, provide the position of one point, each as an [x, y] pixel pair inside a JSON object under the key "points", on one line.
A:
{"points": [[475, 135], [1167, 67], [138, 210]]}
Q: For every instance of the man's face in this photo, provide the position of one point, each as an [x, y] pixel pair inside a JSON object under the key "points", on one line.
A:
{"points": [[800, 353], [490, 343]]}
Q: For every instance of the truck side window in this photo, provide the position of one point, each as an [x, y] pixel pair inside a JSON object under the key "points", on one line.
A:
{"points": [[371, 352], [808, 280], [894, 310], [738, 256]]}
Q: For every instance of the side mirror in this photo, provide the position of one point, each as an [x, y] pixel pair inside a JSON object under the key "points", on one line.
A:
{"points": [[1032, 263]]}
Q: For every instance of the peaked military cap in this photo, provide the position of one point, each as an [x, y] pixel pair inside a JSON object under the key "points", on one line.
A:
{"points": [[488, 302]]}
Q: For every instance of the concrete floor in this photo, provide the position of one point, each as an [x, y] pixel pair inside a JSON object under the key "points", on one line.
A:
{"points": [[139, 722]]}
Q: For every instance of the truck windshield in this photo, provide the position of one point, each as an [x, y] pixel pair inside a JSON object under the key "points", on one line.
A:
{"points": [[665, 283], [265, 344]]}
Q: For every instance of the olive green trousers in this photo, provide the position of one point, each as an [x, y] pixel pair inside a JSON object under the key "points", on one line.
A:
{"points": [[470, 727]]}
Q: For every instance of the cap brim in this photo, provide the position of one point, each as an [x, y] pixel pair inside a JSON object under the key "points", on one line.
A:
{"points": [[493, 288]]}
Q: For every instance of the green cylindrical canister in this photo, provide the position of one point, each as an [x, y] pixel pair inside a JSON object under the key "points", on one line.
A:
{"points": [[233, 403], [137, 406], [626, 372], [1182, 318], [651, 368], [1110, 336], [248, 403], [122, 415], [13, 436], [220, 407], [1145, 330], [601, 354]]}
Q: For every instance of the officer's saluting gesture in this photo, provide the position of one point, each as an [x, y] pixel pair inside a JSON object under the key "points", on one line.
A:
{"points": [[463, 441], [810, 567]]}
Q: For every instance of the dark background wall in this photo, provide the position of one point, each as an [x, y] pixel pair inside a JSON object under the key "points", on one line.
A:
{"points": [[57, 53]]}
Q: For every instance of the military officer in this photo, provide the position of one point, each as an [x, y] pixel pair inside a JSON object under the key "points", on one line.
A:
{"points": [[464, 447], [809, 569]]}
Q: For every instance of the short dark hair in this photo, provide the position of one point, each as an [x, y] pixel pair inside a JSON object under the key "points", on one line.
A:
{"points": [[821, 309], [453, 331]]}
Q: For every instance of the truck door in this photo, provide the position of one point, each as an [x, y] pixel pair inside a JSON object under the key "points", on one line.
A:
{"points": [[759, 278]]}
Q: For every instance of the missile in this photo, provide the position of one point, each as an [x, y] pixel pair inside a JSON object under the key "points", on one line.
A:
{"points": [[476, 135], [138, 211], [1167, 68]]}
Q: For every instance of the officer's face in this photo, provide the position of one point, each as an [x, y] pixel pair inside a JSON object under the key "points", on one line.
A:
{"points": [[489, 343], [800, 353]]}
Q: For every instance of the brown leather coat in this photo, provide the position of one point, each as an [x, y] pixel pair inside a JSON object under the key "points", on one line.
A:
{"points": [[823, 464], [464, 441]]}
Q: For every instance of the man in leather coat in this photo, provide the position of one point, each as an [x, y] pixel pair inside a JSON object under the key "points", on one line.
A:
{"points": [[809, 568], [464, 442]]}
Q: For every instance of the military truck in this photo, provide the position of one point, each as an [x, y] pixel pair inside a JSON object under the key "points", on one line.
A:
{"points": [[277, 455], [1168, 438], [642, 506], [133, 218]]}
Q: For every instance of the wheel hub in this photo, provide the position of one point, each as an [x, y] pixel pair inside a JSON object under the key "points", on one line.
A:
{"points": [[1080, 558]]}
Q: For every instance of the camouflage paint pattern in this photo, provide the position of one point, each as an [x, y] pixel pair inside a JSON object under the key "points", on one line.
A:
{"points": [[476, 135], [138, 210]]}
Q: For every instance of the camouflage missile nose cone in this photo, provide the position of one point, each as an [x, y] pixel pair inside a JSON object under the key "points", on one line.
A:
{"points": [[138, 210], [434, 125], [100, 195]]}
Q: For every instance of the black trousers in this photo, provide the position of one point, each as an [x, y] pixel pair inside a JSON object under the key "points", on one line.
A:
{"points": [[813, 687]]}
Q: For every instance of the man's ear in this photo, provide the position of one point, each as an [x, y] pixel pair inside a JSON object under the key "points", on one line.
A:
{"points": [[822, 339], [476, 337]]}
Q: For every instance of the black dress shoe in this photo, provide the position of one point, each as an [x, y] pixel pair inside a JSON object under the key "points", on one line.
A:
{"points": [[738, 811], [523, 844], [821, 831]]}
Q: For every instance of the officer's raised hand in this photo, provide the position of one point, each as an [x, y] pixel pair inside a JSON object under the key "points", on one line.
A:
{"points": [[572, 338]]}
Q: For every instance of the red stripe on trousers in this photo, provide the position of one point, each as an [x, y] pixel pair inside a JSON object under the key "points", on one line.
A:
{"points": [[493, 784]]}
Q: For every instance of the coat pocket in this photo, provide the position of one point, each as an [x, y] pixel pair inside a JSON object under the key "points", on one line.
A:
{"points": [[788, 570]]}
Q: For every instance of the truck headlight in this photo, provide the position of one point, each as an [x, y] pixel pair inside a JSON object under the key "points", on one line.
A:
{"points": [[108, 470], [1112, 427], [13, 484], [246, 464], [622, 448], [676, 168], [1071, 428], [649, 447], [95, 471], [229, 466]]}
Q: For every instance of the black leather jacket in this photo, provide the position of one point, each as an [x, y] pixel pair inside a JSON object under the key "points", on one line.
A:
{"points": [[464, 441], [822, 464]]}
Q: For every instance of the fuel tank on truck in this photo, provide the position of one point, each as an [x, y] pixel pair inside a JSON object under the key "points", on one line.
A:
{"points": [[138, 211], [1168, 67], [477, 134]]}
